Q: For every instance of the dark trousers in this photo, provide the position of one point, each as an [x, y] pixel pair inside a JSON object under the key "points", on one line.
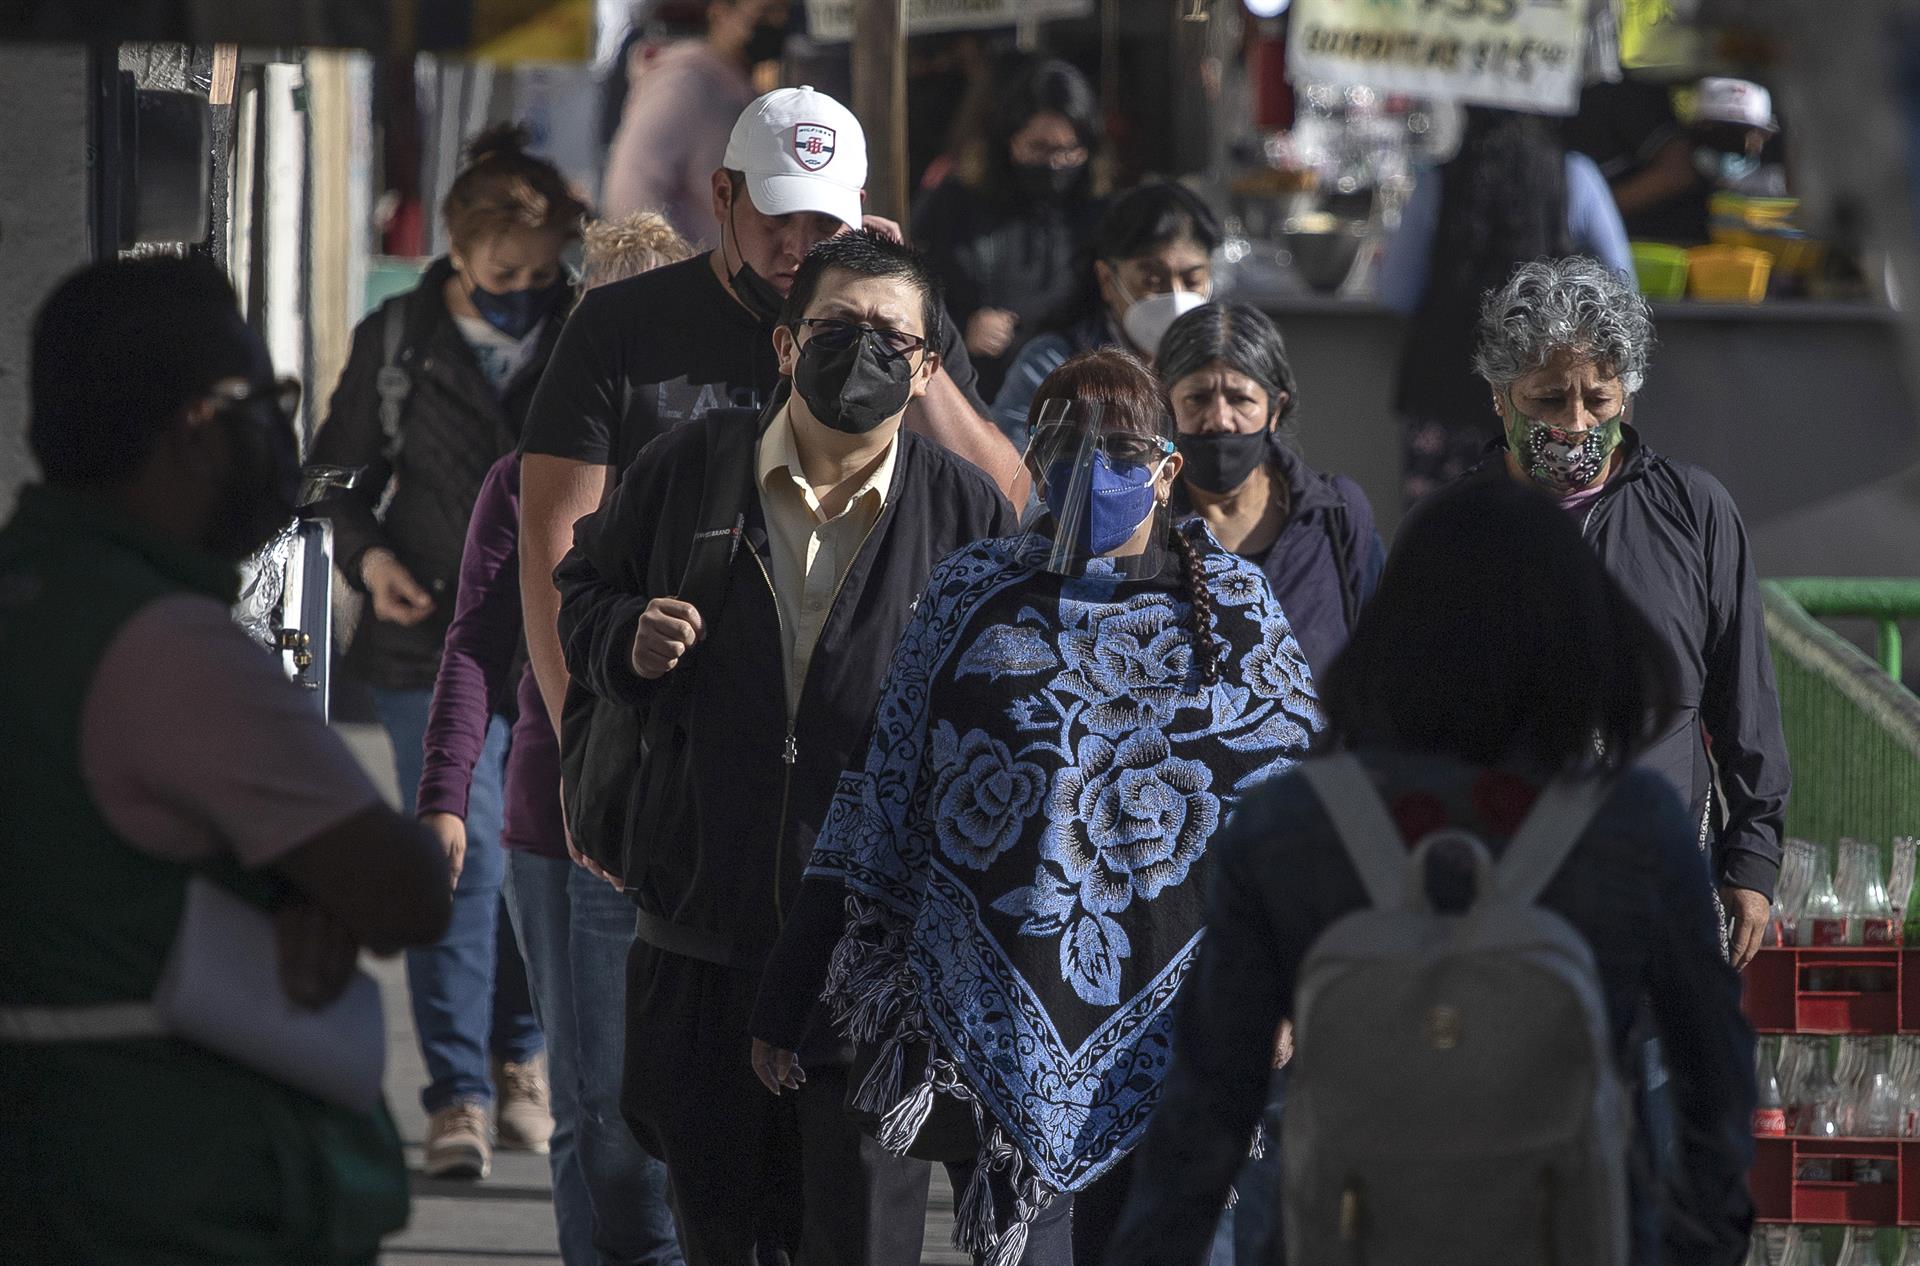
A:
{"points": [[755, 1177]]}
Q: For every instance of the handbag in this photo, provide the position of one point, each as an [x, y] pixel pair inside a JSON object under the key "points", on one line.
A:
{"points": [[619, 765]]}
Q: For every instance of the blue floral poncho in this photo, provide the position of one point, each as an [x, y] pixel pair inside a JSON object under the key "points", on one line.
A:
{"points": [[1026, 852]]}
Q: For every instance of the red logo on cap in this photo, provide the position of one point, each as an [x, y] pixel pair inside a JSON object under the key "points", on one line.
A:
{"points": [[813, 145]]}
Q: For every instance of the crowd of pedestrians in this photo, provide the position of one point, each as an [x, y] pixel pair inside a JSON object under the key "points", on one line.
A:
{"points": [[813, 774]]}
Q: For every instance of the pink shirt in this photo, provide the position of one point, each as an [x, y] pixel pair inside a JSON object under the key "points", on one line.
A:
{"points": [[193, 743], [672, 136]]}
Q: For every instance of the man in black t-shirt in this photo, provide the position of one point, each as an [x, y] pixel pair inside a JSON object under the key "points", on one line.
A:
{"points": [[643, 355]]}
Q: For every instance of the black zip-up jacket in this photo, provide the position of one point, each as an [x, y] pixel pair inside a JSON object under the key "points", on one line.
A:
{"points": [[760, 781], [1671, 535], [455, 427]]}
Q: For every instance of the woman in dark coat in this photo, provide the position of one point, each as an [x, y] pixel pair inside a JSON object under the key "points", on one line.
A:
{"points": [[434, 392]]}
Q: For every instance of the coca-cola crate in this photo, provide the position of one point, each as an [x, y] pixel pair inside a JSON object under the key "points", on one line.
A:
{"points": [[1840, 990], [1835, 1182]]}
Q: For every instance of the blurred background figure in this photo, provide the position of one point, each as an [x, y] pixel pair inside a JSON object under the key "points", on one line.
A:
{"points": [[610, 1202], [676, 117], [1149, 262], [1003, 229], [1663, 172], [1512, 194], [434, 392]]}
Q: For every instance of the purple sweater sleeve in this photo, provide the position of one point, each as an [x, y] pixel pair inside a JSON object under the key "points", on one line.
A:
{"points": [[480, 645]]}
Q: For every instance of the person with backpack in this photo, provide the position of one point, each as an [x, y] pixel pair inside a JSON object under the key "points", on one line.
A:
{"points": [[1007, 893], [1465, 909], [735, 599], [1234, 399], [610, 1203], [435, 390]]}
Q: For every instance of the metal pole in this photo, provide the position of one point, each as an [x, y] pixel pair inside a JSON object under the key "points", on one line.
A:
{"points": [[880, 100]]}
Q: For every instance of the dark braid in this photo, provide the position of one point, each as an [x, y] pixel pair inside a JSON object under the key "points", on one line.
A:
{"points": [[1206, 650]]}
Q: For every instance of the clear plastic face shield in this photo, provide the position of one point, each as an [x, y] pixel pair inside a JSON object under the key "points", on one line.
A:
{"points": [[1100, 483]]}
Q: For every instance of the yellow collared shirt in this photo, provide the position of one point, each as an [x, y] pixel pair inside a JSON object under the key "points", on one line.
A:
{"points": [[810, 553]]}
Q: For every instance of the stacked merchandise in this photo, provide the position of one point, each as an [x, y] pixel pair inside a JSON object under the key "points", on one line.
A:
{"points": [[1837, 1132]]}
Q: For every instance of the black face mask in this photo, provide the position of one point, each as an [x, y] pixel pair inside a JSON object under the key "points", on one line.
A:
{"points": [[1221, 461], [258, 498], [768, 41], [1043, 182], [756, 292], [854, 388]]}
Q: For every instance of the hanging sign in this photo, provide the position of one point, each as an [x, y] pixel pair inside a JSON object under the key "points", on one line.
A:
{"points": [[831, 21], [1520, 54]]}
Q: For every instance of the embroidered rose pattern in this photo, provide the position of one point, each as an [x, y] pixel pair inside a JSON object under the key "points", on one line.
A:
{"points": [[1129, 819], [982, 796], [1130, 667]]}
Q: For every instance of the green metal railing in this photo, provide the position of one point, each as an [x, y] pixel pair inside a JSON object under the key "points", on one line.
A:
{"points": [[1853, 731]]}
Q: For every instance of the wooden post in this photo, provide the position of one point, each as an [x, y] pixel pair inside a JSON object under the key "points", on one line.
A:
{"points": [[880, 101]]}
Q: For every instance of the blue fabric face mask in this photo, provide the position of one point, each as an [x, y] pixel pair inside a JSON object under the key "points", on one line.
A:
{"points": [[1119, 496], [514, 312]]}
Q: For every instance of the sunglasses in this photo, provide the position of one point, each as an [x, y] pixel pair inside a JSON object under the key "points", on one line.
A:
{"points": [[283, 395], [837, 336]]}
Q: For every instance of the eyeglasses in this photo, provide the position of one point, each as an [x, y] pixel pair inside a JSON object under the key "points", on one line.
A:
{"points": [[1047, 156], [283, 394], [837, 336], [1124, 447]]}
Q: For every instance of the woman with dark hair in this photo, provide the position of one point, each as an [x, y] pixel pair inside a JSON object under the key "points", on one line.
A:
{"points": [[1015, 878], [435, 390], [1004, 228], [1235, 404], [1497, 656], [1512, 194], [1150, 261]]}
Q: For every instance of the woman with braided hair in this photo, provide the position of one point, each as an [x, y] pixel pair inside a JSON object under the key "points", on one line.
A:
{"points": [[1004, 900]]}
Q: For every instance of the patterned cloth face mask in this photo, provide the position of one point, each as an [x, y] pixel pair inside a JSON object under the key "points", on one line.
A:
{"points": [[1564, 460]]}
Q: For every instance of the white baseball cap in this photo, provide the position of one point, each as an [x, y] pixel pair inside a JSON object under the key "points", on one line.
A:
{"points": [[1737, 101], [801, 151]]}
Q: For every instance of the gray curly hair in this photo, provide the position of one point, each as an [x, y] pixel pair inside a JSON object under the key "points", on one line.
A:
{"points": [[1553, 305]]}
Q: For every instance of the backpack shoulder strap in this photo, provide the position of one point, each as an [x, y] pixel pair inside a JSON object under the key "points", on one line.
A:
{"points": [[1553, 826], [1343, 567], [1367, 831], [393, 382]]}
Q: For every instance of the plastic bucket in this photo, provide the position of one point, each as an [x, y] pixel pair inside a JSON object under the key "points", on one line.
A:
{"points": [[1728, 274], [1661, 269]]}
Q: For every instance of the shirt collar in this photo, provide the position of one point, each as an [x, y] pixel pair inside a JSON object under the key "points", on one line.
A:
{"points": [[778, 458]]}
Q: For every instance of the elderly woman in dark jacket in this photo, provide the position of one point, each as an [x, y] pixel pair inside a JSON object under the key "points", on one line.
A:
{"points": [[1563, 349], [1311, 534], [434, 392]]}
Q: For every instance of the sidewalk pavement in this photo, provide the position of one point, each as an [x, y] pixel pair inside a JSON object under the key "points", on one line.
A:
{"points": [[506, 1220]]}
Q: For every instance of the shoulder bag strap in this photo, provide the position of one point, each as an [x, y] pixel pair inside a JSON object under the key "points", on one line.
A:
{"points": [[393, 382], [1343, 562], [1367, 831], [1554, 825]]}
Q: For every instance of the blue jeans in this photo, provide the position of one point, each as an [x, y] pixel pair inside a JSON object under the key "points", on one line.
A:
{"points": [[469, 992], [609, 1196], [1249, 1233]]}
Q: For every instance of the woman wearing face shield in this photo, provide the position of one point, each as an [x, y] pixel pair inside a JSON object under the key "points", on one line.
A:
{"points": [[1563, 347], [1005, 897], [1150, 261], [1312, 535], [435, 390]]}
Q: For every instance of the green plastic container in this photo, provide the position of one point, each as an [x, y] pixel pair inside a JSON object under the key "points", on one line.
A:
{"points": [[1662, 269]]}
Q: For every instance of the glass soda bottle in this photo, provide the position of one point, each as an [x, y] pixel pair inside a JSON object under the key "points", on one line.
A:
{"points": [[1770, 1109], [1877, 925], [1824, 920]]}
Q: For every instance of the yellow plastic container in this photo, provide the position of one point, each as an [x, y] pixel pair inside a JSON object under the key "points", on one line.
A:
{"points": [[1661, 269], [1728, 274]]}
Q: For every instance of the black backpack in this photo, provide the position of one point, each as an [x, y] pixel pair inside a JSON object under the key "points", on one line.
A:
{"points": [[620, 765]]}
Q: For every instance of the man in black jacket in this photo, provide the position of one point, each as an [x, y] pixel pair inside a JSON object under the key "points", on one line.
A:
{"points": [[848, 515], [1564, 346]]}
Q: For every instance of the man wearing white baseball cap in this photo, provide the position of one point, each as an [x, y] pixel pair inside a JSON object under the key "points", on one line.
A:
{"points": [[640, 356]]}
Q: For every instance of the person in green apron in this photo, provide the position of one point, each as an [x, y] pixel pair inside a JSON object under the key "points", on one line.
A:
{"points": [[149, 742]]}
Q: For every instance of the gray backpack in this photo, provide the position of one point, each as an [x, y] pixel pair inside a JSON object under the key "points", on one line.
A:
{"points": [[1453, 1096]]}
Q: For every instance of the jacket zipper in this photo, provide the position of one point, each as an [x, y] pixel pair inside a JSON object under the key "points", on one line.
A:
{"points": [[790, 746]]}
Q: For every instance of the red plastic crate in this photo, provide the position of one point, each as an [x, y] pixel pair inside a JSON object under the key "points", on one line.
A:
{"points": [[1841, 1197], [1824, 991]]}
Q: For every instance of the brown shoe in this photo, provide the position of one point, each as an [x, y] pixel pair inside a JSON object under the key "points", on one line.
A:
{"points": [[459, 1141], [522, 1107]]}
